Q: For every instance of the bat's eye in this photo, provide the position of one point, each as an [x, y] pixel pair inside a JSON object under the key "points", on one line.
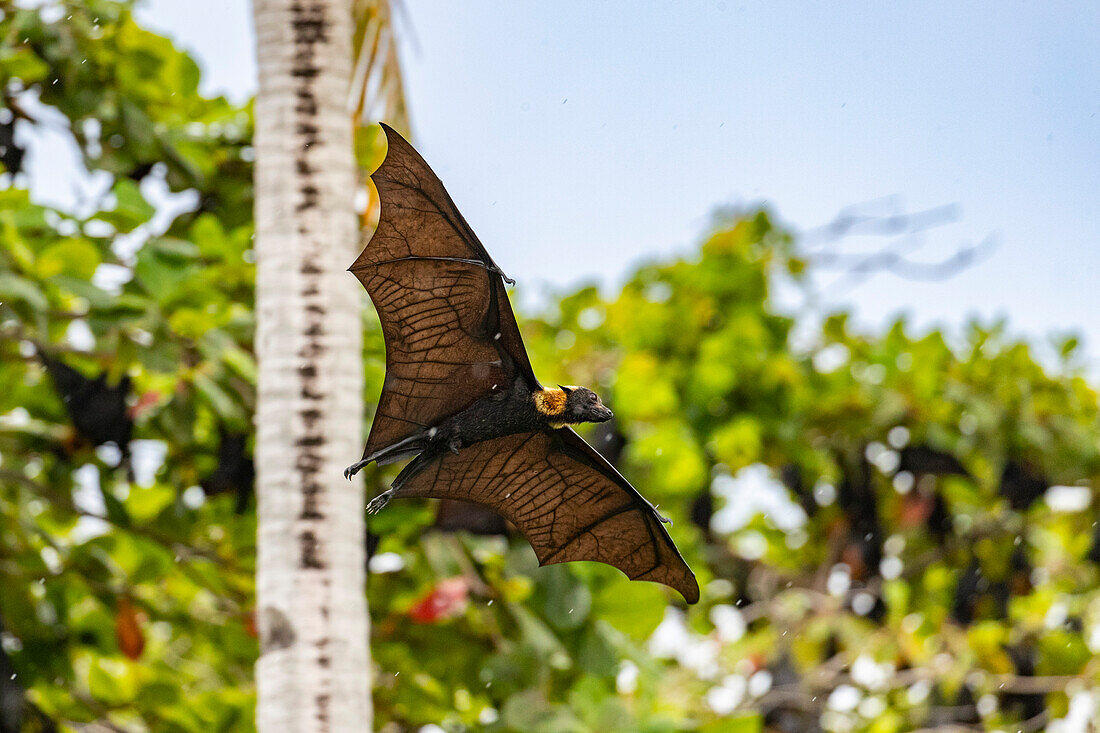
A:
{"points": [[591, 398]]}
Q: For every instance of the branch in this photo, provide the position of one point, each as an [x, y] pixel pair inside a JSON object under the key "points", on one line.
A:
{"points": [[905, 229], [892, 261], [848, 223], [1027, 685]]}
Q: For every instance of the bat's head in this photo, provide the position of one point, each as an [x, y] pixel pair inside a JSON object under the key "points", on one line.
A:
{"points": [[583, 405]]}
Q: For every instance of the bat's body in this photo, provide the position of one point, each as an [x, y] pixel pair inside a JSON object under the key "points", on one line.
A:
{"points": [[460, 396], [505, 412], [510, 409]]}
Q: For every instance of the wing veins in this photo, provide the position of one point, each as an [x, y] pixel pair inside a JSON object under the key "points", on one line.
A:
{"points": [[588, 528]]}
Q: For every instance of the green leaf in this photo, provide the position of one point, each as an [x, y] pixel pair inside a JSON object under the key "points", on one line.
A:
{"points": [[537, 634], [208, 235], [76, 258], [174, 249], [116, 510], [161, 276], [219, 399], [596, 655], [634, 608], [21, 63], [741, 723], [111, 682], [15, 288], [567, 600], [145, 503], [131, 209], [83, 288], [125, 307]]}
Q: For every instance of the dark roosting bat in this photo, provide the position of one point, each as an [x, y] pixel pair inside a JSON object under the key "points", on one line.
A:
{"points": [[98, 409], [461, 399]]}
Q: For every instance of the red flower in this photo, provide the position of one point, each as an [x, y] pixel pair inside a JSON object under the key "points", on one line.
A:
{"points": [[447, 600]]}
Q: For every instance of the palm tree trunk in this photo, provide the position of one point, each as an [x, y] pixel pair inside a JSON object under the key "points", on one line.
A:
{"points": [[314, 666]]}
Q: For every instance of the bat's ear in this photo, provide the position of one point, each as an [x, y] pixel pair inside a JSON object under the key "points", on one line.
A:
{"points": [[567, 390]]}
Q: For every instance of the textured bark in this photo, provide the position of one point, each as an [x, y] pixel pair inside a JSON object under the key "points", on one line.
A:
{"points": [[313, 671]]}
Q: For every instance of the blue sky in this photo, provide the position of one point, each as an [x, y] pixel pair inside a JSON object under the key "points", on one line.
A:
{"points": [[579, 138]]}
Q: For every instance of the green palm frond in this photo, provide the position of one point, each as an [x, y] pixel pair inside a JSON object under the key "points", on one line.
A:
{"points": [[377, 84]]}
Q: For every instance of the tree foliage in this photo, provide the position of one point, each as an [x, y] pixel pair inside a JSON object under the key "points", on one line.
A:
{"points": [[126, 600], [869, 512]]}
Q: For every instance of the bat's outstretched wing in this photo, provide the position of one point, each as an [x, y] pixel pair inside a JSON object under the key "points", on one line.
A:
{"points": [[568, 501], [451, 337]]}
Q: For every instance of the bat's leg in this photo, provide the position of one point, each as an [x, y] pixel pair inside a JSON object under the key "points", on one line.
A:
{"points": [[415, 466], [355, 468], [402, 449], [379, 502]]}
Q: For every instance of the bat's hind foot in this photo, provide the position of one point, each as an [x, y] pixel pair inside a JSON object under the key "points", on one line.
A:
{"points": [[354, 468], [379, 502]]}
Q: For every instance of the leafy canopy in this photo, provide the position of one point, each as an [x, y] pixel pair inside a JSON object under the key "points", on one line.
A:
{"points": [[884, 579]]}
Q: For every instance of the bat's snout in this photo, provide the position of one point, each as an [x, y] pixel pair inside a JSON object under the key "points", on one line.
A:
{"points": [[602, 414]]}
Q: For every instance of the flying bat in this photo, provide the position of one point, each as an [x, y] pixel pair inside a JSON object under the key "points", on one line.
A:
{"points": [[460, 397]]}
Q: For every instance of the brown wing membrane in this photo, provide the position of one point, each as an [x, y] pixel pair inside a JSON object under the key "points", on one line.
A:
{"points": [[565, 498], [451, 337]]}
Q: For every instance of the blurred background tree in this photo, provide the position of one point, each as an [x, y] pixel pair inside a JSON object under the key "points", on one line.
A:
{"points": [[893, 530]]}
